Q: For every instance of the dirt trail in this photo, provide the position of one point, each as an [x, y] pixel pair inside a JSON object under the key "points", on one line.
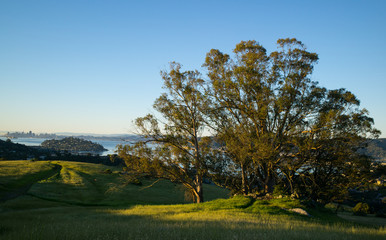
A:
{"points": [[24, 189]]}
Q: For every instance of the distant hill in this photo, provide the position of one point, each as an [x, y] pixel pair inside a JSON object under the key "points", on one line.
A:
{"points": [[16, 151], [73, 144], [377, 149], [13, 151]]}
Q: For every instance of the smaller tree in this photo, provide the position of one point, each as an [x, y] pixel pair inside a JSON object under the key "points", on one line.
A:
{"points": [[173, 148]]}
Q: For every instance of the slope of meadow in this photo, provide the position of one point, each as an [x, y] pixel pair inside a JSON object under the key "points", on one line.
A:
{"points": [[68, 200], [16, 177], [91, 184]]}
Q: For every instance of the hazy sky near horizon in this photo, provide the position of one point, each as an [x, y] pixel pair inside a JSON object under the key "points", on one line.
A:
{"points": [[94, 66]]}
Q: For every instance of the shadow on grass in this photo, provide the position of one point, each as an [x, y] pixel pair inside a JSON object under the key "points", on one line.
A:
{"points": [[22, 185], [168, 222]]}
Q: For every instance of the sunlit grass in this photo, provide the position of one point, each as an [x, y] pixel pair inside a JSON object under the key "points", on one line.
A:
{"points": [[189, 221], [16, 175], [88, 184], [80, 201], [20, 171]]}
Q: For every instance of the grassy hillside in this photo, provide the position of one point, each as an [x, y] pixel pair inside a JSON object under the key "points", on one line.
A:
{"points": [[237, 218], [17, 176], [68, 200], [90, 184]]}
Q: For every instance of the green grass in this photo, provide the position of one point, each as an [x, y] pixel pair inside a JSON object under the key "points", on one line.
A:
{"points": [[366, 220], [87, 184], [81, 202], [17, 176], [211, 220]]}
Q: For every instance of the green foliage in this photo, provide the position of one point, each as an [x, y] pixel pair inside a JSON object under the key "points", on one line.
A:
{"points": [[178, 151], [15, 151], [361, 209], [279, 190], [331, 206], [236, 202], [335, 207], [276, 125], [275, 206], [133, 179], [136, 182], [272, 125]]}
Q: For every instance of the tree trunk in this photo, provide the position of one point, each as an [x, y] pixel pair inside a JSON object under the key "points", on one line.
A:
{"points": [[243, 180], [269, 184], [199, 191], [290, 181]]}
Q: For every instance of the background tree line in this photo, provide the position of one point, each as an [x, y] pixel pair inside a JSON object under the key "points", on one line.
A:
{"points": [[255, 123]]}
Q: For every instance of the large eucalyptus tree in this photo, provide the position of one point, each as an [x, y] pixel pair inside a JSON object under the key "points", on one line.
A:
{"points": [[271, 116]]}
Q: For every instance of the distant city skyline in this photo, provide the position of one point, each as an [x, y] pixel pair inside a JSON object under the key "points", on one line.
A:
{"points": [[2, 133], [92, 67]]}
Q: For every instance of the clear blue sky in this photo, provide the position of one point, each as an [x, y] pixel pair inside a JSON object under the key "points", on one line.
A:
{"points": [[93, 66]]}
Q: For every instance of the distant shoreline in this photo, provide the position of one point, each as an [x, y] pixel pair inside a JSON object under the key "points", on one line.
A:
{"points": [[110, 145]]}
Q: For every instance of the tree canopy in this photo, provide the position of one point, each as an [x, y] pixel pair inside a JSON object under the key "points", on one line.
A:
{"points": [[178, 150], [272, 125]]}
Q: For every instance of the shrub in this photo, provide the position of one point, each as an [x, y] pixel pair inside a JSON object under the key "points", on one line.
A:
{"points": [[135, 181], [279, 190], [333, 207], [361, 209]]}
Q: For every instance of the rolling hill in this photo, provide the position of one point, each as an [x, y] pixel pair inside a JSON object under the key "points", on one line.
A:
{"points": [[73, 200], [89, 184]]}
